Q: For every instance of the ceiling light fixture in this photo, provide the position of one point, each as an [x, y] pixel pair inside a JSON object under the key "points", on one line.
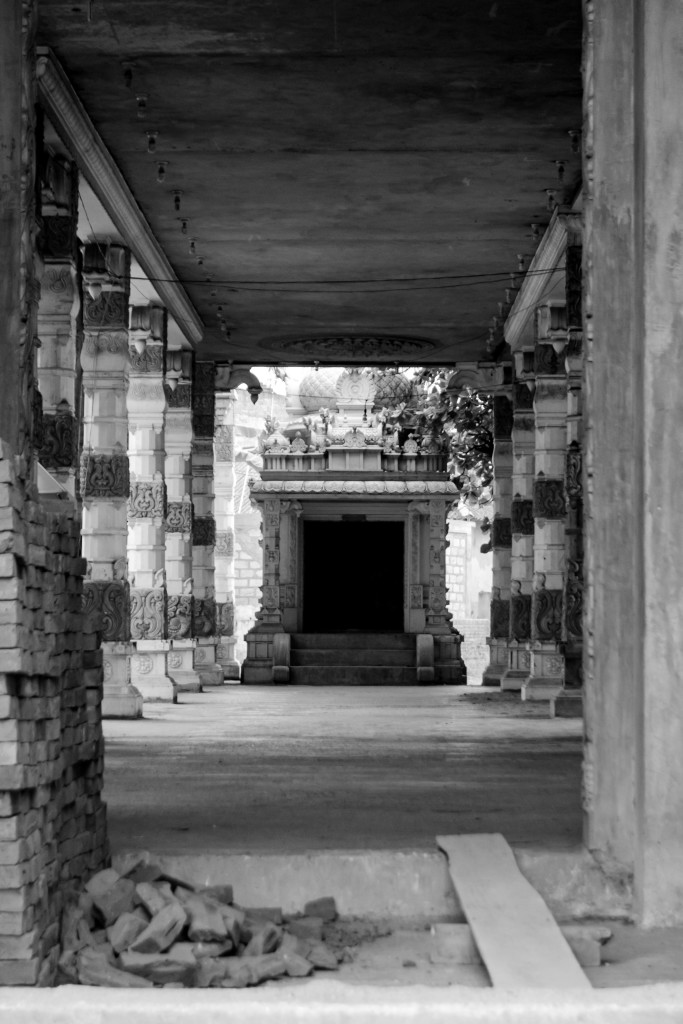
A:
{"points": [[152, 141]]}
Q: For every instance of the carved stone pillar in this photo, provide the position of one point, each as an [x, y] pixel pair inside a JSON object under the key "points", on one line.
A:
{"points": [[178, 443], [418, 564], [290, 515], [258, 665], [522, 531], [104, 477], [549, 507], [501, 541], [147, 503], [438, 618], [204, 525], [58, 356], [224, 554]]}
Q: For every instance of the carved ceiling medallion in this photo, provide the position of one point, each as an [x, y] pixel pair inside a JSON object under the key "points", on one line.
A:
{"points": [[356, 346]]}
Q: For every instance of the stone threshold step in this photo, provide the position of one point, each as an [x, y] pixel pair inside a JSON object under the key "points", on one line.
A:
{"points": [[353, 641], [333, 656], [354, 675]]}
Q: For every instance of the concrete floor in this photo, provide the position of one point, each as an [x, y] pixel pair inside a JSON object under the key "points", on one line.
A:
{"points": [[268, 769]]}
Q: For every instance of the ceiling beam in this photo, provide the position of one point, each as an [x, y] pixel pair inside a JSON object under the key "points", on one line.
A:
{"points": [[71, 122]]}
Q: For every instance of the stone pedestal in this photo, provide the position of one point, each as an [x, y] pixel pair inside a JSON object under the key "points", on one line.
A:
{"points": [[149, 670], [180, 666], [120, 699]]}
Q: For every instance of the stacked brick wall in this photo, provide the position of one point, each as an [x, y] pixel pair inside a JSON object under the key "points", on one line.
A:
{"points": [[52, 819], [473, 649]]}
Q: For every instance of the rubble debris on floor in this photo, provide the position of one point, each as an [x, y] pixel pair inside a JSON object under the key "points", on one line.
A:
{"points": [[146, 928]]}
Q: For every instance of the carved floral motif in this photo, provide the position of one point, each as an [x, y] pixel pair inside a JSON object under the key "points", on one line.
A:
{"points": [[549, 499], [105, 604], [181, 398], [109, 309], [147, 500], [59, 438], [500, 618], [179, 616], [501, 534], [546, 361], [104, 476], [520, 616], [573, 481], [179, 517], [203, 617], [147, 613], [522, 517], [546, 614], [357, 346], [203, 530]]}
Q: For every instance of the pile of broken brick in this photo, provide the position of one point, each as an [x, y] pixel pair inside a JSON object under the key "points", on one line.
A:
{"points": [[146, 928]]}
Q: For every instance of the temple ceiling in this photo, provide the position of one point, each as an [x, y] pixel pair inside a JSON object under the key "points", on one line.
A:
{"points": [[357, 177]]}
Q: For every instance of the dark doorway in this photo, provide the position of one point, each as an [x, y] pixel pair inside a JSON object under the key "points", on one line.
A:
{"points": [[353, 577]]}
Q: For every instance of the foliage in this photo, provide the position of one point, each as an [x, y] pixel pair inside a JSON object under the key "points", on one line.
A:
{"points": [[463, 419]]}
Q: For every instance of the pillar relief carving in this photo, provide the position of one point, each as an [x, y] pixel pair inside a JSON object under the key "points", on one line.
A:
{"points": [[180, 398], [501, 532], [203, 531], [520, 613], [179, 516], [104, 476], [549, 498], [106, 604], [179, 616], [58, 450], [224, 443], [546, 612], [147, 613], [500, 617], [203, 616], [147, 500], [573, 481], [522, 518]]}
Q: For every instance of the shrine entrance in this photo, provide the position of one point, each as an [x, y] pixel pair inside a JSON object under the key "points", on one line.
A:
{"points": [[353, 576]]}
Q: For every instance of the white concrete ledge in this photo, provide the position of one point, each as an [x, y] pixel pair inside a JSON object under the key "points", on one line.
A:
{"points": [[400, 884], [330, 1002]]}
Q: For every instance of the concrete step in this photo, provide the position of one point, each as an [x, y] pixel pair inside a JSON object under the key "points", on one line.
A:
{"points": [[352, 675], [387, 656], [353, 641]]}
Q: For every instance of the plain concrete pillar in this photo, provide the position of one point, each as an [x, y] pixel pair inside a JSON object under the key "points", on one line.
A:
{"points": [[634, 438]]}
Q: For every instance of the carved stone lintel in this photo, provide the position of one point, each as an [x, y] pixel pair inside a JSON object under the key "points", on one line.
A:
{"points": [[203, 531], [147, 500], [106, 606], [549, 498], [104, 476], [179, 616], [147, 613], [546, 615]]}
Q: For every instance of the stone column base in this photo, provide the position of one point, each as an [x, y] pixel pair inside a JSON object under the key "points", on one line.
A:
{"points": [[567, 704], [519, 666], [119, 698], [149, 672], [547, 673], [258, 665], [225, 656], [498, 665], [448, 664], [180, 662], [205, 665]]}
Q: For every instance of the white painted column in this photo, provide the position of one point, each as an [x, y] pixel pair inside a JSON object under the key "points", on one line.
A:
{"points": [[204, 525], [178, 443], [224, 552], [104, 480]]}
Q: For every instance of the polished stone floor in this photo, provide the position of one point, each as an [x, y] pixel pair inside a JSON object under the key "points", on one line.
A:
{"points": [[277, 769]]}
